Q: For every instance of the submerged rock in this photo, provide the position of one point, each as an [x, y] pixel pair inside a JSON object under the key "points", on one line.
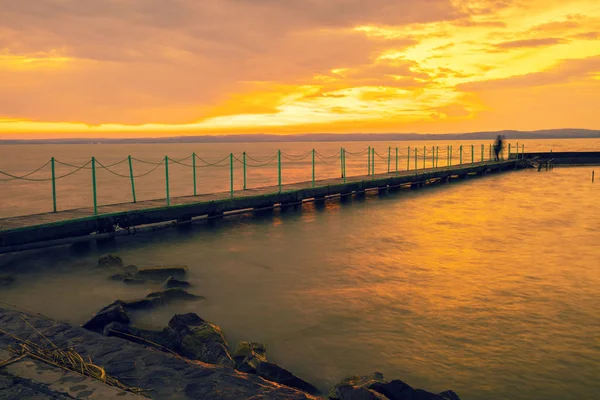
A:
{"points": [[134, 281], [112, 313], [130, 269], [275, 373], [374, 386], [6, 280], [110, 260], [251, 358], [173, 294], [162, 272], [197, 339], [171, 282], [248, 356]]}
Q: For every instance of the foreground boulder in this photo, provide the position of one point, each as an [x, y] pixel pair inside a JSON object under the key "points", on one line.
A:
{"points": [[197, 339], [374, 386], [252, 358], [112, 313], [162, 375]]}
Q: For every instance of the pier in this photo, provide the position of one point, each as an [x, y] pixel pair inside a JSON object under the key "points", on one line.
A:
{"points": [[99, 222]]}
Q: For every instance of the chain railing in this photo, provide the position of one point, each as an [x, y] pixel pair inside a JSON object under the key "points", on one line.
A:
{"points": [[416, 159]]}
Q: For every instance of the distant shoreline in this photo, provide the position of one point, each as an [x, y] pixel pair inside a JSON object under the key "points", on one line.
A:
{"points": [[324, 137]]}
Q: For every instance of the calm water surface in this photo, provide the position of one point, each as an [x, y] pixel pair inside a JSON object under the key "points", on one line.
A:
{"points": [[489, 286]]}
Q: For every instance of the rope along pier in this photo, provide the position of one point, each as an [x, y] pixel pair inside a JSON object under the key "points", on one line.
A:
{"points": [[390, 168]]}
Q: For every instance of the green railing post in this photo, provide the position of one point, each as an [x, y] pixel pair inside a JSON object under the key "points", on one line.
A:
{"points": [[389, 157], [490, 152], [373, 162], [53, 185], [131, 177], [460, 157], [231, 175], [244, 162], [432, 156], [472, 154], [279, 169], [167, 181], [509, 150], [450, 155], [194, 172], [408, 159], [313, 168], [369, 161], [416, 159], [344, 164], [396, 161], [482, 151], [94, 185], [424, 155]]}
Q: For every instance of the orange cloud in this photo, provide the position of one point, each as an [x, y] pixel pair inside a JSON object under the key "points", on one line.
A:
{"points": [[145, 67]]}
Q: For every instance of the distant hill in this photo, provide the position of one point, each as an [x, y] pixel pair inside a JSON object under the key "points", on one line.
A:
{"points": [[329, 137]]}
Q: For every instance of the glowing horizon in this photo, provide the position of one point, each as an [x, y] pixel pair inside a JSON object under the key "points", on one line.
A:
{"points": [[235, 66]]}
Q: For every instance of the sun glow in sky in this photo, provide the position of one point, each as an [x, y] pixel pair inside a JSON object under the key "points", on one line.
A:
{"points": [[72, 68]]}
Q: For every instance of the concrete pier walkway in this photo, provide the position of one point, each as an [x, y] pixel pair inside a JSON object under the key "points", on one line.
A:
{"points": [[55, 228]]}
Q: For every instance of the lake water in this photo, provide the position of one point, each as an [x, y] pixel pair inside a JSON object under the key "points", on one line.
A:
{"points": [[489, 286]]}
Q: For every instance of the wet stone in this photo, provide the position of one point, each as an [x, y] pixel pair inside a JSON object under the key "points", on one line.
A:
{"points": [[162, 272], [171, 282]]}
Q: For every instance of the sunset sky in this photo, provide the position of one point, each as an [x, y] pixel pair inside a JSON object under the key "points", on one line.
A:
{"points": [[74, 68]]}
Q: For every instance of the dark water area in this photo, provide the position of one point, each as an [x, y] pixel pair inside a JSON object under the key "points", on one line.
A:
{"points": [[489, 286]]}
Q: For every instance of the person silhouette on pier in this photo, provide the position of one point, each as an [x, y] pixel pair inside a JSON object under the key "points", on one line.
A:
{"points": [[498, 146]]}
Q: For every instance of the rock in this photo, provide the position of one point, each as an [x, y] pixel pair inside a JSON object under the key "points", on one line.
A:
{"points": [[110, 260], [197, 339], [6, 280], [275, 373], [112, 313], [140, 304], [252, 358], [450, 395], [162, 272], [119, 277], [358, 387], [134, 281], [248, 356], [393, 390], [131, 269], [117, 329], [171, 282], [349, 392], [169, 295]]}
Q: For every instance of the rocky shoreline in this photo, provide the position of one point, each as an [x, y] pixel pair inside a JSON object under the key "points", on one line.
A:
{"points": [[190, 358]]}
